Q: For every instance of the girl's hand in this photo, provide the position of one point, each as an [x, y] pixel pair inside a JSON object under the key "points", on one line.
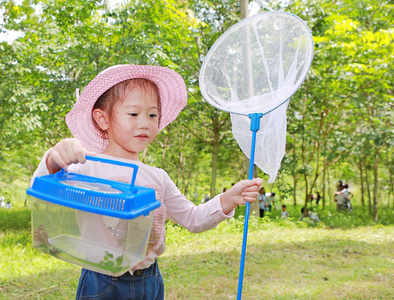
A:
{"points": [[66, 152], [242, 192]]}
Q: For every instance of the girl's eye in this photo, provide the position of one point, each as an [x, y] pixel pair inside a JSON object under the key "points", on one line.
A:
{"points": [[133, 114], [152, 115]]}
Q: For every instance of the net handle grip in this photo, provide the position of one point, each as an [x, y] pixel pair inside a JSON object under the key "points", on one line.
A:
{"points": [[112, 162]]}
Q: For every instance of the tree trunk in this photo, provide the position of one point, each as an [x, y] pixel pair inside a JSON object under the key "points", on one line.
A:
{"points": [[391, 187], [214, 161], [375, 185], [295, 174], [244, 9], [368, 190], [294, 189], [307, 195], [244, 5], [329, 185], [362, 183], [324, 183], [255, 205]]}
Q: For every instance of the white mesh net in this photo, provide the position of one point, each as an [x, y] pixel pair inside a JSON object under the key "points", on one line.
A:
{"points": [[255, 67]]}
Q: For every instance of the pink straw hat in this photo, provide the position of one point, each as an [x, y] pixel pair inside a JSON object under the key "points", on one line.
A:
{"points": [[172, 90]]}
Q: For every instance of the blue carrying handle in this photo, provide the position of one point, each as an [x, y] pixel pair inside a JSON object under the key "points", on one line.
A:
{"points": [[113, 162]]}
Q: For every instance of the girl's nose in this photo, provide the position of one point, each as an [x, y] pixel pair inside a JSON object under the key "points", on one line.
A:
{"points": [[143, 122]]}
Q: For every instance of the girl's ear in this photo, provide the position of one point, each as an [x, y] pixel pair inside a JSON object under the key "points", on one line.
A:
{"points": [[101, 118]]}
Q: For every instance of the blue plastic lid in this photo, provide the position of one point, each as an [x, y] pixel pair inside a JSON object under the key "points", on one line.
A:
{"points": [[96, 195]]}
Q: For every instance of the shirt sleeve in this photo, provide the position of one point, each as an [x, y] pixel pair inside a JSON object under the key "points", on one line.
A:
{"points": [[194, 218]]}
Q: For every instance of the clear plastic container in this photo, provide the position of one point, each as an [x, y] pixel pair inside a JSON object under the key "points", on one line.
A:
{"points": [[98, 224]]}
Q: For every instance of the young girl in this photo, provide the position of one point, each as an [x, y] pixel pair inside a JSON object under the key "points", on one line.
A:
{"points": [[117, 116]]}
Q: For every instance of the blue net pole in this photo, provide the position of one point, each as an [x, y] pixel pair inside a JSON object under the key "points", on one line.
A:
{"points": [[254, 127]]}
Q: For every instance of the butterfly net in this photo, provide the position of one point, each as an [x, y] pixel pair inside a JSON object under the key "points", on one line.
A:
{"points": [[255, 67]]}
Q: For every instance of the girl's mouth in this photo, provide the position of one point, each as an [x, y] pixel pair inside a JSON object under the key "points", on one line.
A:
{"points": [[142, 136]]}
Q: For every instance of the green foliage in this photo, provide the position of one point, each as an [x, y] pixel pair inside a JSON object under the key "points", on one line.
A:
{"points": [[329, 217]]}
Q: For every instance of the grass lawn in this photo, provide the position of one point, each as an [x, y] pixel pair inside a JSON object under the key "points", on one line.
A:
{"points": [[284, 260]]}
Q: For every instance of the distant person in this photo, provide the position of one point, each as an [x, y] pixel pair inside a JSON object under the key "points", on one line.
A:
{"points": [[340, 185], [8, 205], [318, 197], [205, 199], [2, 202], [338, 197], [312, 198], [309, 214], [270, 199], [262, 202], [345, 195], [284, 214]]}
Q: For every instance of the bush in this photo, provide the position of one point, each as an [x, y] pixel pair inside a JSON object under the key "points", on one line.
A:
{"points": [[329, 217], [15, 192], [14, 219]]}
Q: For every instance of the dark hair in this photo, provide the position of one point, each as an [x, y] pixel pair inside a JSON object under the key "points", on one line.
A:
{"points": [[273, 194], [346, 186], [302, 210], [284, 206]]}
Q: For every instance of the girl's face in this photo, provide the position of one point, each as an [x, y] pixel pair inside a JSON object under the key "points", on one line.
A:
{"points": [[134, 123]]}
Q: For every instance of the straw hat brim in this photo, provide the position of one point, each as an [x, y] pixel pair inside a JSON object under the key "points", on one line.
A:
{"points": [[172, 92]]}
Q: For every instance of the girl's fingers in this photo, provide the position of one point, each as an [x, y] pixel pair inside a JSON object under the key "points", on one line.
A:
{"points": [[250, 193], [90, 153], [257, 181], [65, 153], [253, 185], [69, 156], [250, 199], [78, 152], [56, 160], [252, 189]]}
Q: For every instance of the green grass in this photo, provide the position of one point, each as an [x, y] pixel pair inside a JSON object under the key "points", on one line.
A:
{"points": [[282, 263], [285, 259]]}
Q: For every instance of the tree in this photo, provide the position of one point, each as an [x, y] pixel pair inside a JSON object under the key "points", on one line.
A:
{"points": [[353, 52]]}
